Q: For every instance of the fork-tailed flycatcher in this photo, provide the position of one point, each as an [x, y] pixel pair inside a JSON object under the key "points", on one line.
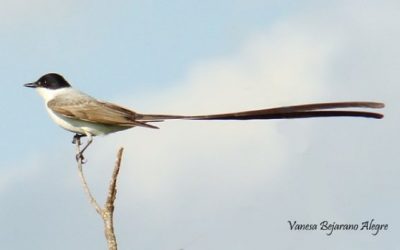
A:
{"points": [[84, 115]]}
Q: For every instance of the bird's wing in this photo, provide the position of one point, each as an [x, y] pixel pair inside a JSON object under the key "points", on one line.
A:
{"points": [[92, 110]]}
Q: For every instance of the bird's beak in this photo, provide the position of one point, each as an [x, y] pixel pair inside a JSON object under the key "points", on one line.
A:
{"points": [[31, 85]]}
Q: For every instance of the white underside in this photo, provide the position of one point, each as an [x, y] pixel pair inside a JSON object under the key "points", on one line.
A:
{"points": [[83, 127], [74, 125]]}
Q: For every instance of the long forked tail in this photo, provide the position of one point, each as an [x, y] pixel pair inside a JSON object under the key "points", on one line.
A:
{"points": [[334, 109]]}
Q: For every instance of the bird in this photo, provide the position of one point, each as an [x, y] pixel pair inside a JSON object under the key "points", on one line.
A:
{"points": [[87, 116]]}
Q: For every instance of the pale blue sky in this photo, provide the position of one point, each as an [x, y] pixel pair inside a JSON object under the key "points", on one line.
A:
{"points": [[203, 185]]}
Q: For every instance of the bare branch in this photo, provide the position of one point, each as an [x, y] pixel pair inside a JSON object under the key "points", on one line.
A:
{"points": [[83, 180], [112, 190], [107, 212]]}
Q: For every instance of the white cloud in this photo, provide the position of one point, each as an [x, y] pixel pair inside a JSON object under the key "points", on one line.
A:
{"points": [[280, 66]]}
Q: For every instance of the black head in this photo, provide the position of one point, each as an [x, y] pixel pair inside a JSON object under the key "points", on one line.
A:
{"points": [[49, 81]]}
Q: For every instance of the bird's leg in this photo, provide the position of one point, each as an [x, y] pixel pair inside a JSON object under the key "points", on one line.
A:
{"points": [[80, 156], [90, 140], [77, 138]]}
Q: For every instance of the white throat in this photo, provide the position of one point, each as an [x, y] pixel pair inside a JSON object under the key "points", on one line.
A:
{"points": [[49, 94]]}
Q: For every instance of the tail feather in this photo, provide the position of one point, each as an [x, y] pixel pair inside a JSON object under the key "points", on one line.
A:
{"points": [[287, 112]]}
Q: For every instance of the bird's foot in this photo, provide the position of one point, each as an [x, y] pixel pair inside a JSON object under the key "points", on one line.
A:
{"points": [[80, 158]]}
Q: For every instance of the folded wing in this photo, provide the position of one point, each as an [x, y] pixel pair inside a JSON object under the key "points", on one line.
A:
{"points": [[92, 110]]}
